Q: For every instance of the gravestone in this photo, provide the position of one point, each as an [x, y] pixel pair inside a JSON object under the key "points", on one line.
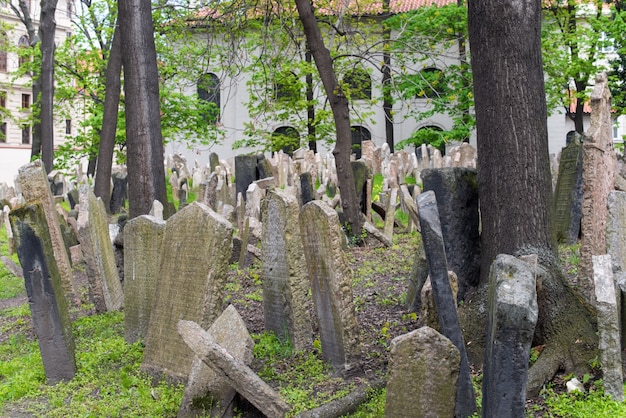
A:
{"points": [[214, 161], [245, 173], [598, 180], [331, 286], [286, 300], [444, 300], [423, 375], [512, 317], [34, 185], [192, 275], [105, 287], [46, 296], [7, 225], [390, 213], [568, 194], [143, 238], [119, 192], [456, 191], [307, 192], [417, 279], [428, 312], [206, 389], [616, 224], [361, 174], [608, 327]]}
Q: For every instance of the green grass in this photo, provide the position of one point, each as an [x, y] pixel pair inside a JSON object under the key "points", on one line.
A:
{"points": [[10, 285], [579, 405]]}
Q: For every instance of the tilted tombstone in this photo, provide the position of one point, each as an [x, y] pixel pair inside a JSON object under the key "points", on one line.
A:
{"points": [[143, 238], [105, 286], [331, 286], [119, 192], [361, 175], [512, 317], [207, 390], [46, 296], [34, 185], [307, 192], [445, 302], [245, 172], [456, 190], [286, 300], [423, 375], [192, 277], [568, 194], [599, 169], [608, 327]]}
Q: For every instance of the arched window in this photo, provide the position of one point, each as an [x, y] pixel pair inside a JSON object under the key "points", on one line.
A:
{"points": [[285, 138], [209, 93], [430, 83], [359, 134], [357, 84], [287, 86], [23, 53]]}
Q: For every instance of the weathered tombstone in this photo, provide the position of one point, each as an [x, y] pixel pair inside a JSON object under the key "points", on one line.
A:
{"points": [[417, 279], [456, 190], [568, 194], [444, 300], [512, 316], [34, 184], [234, 371], [423, 375], [286, 287], [598, 180], [157, 210], [361, 175], [143, 238], [119, 192], [616, 224], [428, 311], [9, 231], [210, 198], [105, 287], [72, 198], [214, 161], [608, 327], [207, 390], [46, 296], [331, 285], [390, 213], [245, 172], [306, 188], [194, 261]]}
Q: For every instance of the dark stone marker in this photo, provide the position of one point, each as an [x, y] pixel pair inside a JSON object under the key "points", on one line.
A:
{"points": [[48, 305], [361, 174], [72, 198], [263, 167], [444, 300], [511, 324], [118, 195], [417, 279], [568, 196], [306, 188], [456, 190], [245, 173], [214, 161]]}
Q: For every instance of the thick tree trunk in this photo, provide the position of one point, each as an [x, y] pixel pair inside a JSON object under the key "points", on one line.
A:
{"points": [[341, 113], [513, 171], [144, 141], [102, 186], [47, 30]]}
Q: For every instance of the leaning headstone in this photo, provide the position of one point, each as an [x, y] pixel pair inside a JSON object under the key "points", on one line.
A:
{"points": [[423, 375], [417, 279], [608, 327], [598, 180], [568, 194], [444, 300], [236, 373], [192, 274], [46, 296], [286, 300], [512, 317], [456, 190], [390, 213], [306, 188], [105, 287], [428, 313], [34, 184], [143, 238], [331, 286], [361, 174], [206, 389]]}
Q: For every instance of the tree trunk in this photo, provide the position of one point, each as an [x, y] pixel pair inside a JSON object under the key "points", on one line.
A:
{"points": [[144, 141], [514, 175], [341, 113], [386, 70], [47, 30], [310, 108], [102, 186]]}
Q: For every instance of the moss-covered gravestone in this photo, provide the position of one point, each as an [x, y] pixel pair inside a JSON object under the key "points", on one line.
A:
{"points": [[143, 237], [331, 286], [192, 277], [46, 296]]}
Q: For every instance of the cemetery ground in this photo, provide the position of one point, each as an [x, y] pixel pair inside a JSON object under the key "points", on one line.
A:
{"points": [[108, 382]]}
